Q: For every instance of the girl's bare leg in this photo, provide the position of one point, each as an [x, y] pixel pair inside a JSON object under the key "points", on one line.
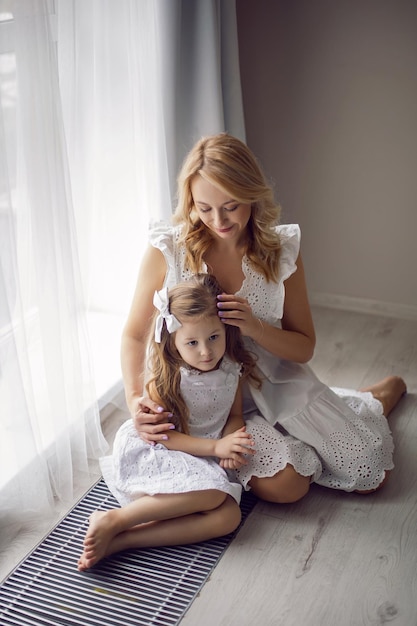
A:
{"points": [[165, 519], [388, 391], [180, 530], [285, 487]]}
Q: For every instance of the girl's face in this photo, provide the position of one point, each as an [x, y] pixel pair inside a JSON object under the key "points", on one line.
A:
{"points": [[225, 217], [202, 343]]}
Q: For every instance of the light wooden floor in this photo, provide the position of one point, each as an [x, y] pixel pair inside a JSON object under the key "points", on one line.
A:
{"points": [[333, 559]]}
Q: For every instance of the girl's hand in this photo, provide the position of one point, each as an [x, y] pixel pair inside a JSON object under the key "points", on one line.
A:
{"points": [[150, 420], [231, 464], [236, 311], [233, 447]]}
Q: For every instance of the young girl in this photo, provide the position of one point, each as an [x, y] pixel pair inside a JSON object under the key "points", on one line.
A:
{"points": [[177, 492]]}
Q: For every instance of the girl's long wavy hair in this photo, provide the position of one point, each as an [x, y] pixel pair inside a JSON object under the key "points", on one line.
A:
{"points": [[227, 163], [195, 299]]}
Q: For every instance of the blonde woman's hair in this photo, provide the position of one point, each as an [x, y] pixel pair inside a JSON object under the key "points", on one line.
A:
{"points": [[227, 163], [195, 299]]}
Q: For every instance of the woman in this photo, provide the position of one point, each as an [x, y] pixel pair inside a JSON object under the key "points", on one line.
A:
{"points": [[226, 223]]}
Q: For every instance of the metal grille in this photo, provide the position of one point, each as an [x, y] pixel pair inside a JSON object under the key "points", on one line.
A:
{"points": [[152, 586]]}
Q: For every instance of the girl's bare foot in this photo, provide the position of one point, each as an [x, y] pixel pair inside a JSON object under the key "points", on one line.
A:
{"points": [[388, 391], [101, 531]]}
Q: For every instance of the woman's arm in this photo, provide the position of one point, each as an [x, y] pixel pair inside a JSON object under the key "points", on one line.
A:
{"points": [[150, 419], [296, 340]]}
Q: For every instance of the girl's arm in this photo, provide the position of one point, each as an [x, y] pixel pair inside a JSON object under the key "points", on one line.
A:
{"points": [[296, 340], [235, 419], [228, 447], [233, 443]]}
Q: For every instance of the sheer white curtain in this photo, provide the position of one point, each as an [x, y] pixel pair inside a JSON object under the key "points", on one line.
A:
{"points": [[49, 418], [141, 81], [99, 103]]}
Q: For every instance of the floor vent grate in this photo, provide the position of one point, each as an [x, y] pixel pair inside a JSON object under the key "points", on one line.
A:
{"points": [[138, 587]]}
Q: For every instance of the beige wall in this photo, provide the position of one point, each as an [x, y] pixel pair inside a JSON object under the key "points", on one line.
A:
{"points": [[330, 99]]}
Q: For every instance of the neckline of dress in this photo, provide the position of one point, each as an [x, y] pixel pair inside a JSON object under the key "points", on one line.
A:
{"points": [[245, 266]]}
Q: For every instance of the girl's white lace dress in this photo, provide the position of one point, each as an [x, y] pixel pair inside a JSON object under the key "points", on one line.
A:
{"points": [[137, 468], [346, 429]]}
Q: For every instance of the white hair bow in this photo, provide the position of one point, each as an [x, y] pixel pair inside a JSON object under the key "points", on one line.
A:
{"points": [[161, 302]]}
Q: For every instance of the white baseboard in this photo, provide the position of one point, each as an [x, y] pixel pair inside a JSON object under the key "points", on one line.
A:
{"points": [[363, 305]]}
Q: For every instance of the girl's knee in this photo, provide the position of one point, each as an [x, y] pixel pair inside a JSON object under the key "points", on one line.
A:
{"points": [[226, 518], [213, 499], [285, 487]]}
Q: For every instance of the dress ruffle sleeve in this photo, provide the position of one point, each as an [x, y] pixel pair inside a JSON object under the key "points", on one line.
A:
{"points": [[290, 237], [266, 298], [164, 236], [161, 236]]}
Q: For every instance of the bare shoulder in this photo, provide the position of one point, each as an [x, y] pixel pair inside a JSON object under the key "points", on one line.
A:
{"points": [[152, 272], [296, 283], [153, 259]]}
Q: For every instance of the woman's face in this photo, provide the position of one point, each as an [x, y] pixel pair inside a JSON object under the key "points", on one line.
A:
{"points": [[224, 216]]}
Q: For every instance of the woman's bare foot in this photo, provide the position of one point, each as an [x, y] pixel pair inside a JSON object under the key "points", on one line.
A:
{"points": [[101, 531], [388, 391]]}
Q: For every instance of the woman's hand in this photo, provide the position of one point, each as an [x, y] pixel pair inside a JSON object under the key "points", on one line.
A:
{"points": [[232, 448], [236, 311], [295, 339], [150, 420]]}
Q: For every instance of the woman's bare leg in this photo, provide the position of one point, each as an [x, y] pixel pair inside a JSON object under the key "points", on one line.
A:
{"points": [[165, 519], [388, 391], [285, 487]]}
